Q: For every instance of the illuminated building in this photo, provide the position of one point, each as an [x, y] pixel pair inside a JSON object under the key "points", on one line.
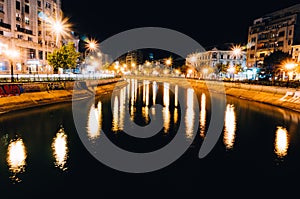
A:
{"points": [[23, 27], [279, 30]]}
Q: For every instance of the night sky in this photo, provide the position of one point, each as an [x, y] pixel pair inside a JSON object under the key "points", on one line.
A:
{"points": [[208, 22]]}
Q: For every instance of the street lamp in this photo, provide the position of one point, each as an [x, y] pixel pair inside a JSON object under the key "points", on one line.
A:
{"points": [[60, 27], [12, 54], [169, 63], [91, 45]]}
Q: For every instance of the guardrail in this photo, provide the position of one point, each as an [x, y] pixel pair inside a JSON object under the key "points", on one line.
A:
{"points": [[53, 77]]}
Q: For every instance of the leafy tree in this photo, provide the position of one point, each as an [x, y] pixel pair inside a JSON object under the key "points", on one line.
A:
{"points": [[64, 57], [274, 60]]}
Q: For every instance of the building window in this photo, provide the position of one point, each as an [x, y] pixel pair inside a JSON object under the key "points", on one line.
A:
{"points": [[27, 21], [20, 36], [290, 32], [228, 56], [280, 43], [40, 33], [48, 5], [18, 18], [281, 34], [39, 3], [29, 38], [26, 1], [18, 5], [261, 55], [214, 55], [222, 56], [27, 9], [251, 56], [1, 8], [41, 55]]}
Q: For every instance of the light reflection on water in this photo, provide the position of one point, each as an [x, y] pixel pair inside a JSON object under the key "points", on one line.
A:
{"points": [[203, 115], [190, 114], [230, 126], [94, 121], [16, 158], [60, 149], [281, 142]]}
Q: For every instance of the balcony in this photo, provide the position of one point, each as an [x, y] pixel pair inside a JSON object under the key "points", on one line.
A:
{"points": [[24, 30]]}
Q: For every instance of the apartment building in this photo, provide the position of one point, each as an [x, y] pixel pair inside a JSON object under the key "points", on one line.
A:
{"points": [[24, 27], [279, 30]]}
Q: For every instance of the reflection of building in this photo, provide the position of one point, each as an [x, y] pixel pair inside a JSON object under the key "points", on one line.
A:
{"points": [[275, 31], [23, 28], [214, 56]]}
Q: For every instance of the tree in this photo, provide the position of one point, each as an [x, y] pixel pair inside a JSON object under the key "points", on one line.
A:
{"points": [[64, 57], [274, 60]]}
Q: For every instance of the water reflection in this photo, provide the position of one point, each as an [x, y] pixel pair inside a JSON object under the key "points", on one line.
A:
{"points": [[190, 114], [203, 115], [230, 126], [94, 121], [60, 149], [115, 122], [281, 142], [16, 158], [154, 92], [166, 111]]}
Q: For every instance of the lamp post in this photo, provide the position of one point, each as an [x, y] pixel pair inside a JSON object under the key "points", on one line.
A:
{"points": [[12, 54], [169, 63], [91, 45]]}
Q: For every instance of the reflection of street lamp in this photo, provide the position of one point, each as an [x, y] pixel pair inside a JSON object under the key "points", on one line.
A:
{"points": [[12, 54]]}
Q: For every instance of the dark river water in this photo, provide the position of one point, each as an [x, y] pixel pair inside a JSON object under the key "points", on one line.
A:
{"points": [[42, 152]]}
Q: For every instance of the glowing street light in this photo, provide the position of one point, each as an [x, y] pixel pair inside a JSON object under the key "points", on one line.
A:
{"points": [[91, 45], [60, 27], [12, 55], [236, 50]]}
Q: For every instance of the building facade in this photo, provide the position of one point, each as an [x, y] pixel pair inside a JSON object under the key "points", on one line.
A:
{"points": [[279, 30], [215, 56], [24, 27]]}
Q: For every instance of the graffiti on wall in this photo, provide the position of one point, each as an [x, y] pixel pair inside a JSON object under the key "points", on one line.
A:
{"points": [[10, 90]]}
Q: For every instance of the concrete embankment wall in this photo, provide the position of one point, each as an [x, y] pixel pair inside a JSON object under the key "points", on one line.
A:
{"points": [[29, 95], [271, 95]]}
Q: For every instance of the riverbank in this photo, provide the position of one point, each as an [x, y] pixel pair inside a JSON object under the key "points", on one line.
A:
{"points": [[28, 100]]}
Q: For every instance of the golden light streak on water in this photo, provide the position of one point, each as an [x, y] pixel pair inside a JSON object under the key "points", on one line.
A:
{"points": [[166, 111], [176, 96], [94, 121], [281, 142], [166, 94], [16, 158], [122, 108], [230, 127], [60, 149], [154, 92], [203, 115], [190, 114], [115, 119]]}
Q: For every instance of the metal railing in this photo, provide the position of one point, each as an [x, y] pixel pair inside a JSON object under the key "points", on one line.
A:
{"points": [[53, 77]]}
